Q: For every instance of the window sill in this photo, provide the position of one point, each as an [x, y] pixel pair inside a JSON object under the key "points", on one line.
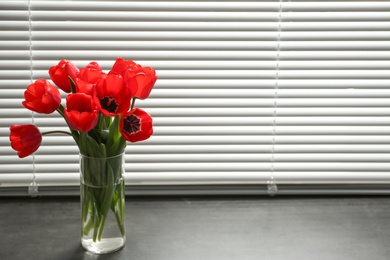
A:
{"points": [[220, 228]]}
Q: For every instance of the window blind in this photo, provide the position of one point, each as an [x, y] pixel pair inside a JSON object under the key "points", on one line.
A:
{"points": [[268, 94]]}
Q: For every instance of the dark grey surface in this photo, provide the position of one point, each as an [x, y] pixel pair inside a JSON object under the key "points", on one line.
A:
{"points": [[215, 228]]}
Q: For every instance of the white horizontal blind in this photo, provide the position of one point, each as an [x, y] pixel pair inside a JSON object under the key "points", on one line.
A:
{"points": [[251, 92], [334, 78]]}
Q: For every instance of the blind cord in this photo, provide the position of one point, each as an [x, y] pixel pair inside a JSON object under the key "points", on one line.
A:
{"points": [[272, 188], [33, 188]]}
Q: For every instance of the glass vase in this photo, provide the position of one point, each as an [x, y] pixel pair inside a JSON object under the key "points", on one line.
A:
{"points": [[102, 203]]}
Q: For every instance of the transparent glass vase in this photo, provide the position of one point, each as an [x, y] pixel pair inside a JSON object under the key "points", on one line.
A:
{"points": [[102, 203]]}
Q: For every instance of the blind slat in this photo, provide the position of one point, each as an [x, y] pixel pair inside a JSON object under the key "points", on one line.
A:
{"points": [[222, 157], [233, 149], [239, 93], [158, 6], [199, 26], [247, 65]]}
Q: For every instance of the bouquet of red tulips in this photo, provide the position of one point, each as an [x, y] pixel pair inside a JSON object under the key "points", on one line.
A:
{"points": [[101, 115], [99, 110]]}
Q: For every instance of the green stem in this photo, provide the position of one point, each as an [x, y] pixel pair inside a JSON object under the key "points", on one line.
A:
{"points": [[133, 103], [75, 134], [101, 122], [83, 143], [72, 85], [60, 110], [87, 228], [96, 225], [118, 207]]}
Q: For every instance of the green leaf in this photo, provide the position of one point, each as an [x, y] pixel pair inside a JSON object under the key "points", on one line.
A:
{"points": [[94, 148], [117, 147], [113, 132], [103, 150], [83, 143], [103, 136], [108, 122], [115, 141]]}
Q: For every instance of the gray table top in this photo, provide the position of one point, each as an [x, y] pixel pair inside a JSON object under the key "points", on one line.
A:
{"points": [[207, 228]]}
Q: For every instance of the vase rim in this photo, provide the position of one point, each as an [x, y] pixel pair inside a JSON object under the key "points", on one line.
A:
{"points": [[110, 157]]}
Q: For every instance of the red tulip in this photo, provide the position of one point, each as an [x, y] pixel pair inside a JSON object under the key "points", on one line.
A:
{"points": [[112, 96], [42, 97], [91, 73], [121, 66], [80, 112], [87, 78], [144, 78], [60, 74], [136, 125], [84, 87], [25, 139]]}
